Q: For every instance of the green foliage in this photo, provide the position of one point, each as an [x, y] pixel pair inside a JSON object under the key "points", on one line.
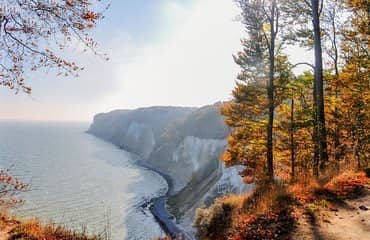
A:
{"points": [[347, 97]]}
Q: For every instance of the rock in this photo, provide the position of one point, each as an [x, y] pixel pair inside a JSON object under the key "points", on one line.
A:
{"points": [[363, 208]]}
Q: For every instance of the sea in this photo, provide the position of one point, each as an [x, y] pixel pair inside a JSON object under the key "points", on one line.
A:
{"points": [[79, 181]]}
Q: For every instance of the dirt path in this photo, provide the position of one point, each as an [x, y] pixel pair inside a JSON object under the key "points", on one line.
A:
{"points": [[348, 220]]}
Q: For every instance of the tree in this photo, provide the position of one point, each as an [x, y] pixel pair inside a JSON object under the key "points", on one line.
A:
{"points": [[273, 20], [293, 108], [331, 27], [27, 27], [261, 20], [300, 15], [316, 7], [295, 126], [258, 64], [246, 114], [354, 80]]}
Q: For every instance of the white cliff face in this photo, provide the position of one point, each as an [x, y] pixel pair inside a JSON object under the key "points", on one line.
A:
{"points": [[139, 138], [193, 156], [185, 144], [230, 182]]}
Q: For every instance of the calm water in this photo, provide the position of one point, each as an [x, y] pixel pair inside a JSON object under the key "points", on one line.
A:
{"points": [[78, 180]]}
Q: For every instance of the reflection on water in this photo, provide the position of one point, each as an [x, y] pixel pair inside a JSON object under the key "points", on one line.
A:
{"points": [[78, 180]]}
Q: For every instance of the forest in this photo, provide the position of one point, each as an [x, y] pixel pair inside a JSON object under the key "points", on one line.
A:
{"points": [[303, 139]]}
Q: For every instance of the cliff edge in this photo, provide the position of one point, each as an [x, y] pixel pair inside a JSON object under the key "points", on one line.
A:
{"points": [[183, 143]]}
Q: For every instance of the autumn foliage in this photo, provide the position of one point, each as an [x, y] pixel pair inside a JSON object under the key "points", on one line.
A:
{"points": [[271, 211], [33, 229], [34, 33], [305, 178], [347, 184], [9, 188], [296, 142]]}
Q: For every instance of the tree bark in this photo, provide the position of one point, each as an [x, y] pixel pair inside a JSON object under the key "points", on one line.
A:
{"points": [[270, 93], [315, 135], [335, 57], [323, 153], [292, 147]]}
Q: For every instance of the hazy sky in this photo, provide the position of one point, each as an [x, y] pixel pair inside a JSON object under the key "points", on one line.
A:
{"points": [[163, 52]]}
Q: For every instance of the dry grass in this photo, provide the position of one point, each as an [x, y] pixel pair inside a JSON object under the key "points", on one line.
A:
{"points": [[33, 229], [304, 192], [165, 238], [269, 212], [235, 201], [264, 198], [266, 214], [346, 184], [231, 215]]}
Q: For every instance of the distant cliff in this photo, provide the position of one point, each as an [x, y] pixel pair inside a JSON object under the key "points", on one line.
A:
{"points": [[183, 143]]}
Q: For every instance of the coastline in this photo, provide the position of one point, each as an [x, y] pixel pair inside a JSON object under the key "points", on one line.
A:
{"points": [[157, 205], [158, 208]]}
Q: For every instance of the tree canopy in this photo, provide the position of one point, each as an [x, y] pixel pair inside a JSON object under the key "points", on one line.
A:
{"points": [[320, 118]]}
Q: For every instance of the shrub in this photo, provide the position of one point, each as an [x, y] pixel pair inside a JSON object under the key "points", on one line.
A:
{"points": [[213, 222]]}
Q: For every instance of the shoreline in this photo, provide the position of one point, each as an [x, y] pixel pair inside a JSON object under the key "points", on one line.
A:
{"points": [[158, 206]]}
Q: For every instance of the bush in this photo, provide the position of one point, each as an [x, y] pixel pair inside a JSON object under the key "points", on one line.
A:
{"points": [[213, 222]]}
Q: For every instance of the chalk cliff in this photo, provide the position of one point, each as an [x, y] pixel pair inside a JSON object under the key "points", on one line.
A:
{"points": [[183, 143]]}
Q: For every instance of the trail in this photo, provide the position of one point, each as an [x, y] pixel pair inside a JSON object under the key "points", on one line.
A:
{"points": [[344, 221]]}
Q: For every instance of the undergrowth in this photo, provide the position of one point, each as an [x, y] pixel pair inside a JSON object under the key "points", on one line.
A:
{"points": [[271, 210], [33, 229]]}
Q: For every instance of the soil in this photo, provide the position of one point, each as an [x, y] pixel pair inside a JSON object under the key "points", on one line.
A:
{"points": [[345, 220]]}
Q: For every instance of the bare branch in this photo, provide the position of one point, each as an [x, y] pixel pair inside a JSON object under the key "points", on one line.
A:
{"points": [[303, 63], [308, 3], [321, 7]]}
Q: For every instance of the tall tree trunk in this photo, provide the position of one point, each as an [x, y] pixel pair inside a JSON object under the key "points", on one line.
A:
{"points": [[323, 152], [337, 144], [270, 93], [315, 135], [337, 150], [292, 146]]}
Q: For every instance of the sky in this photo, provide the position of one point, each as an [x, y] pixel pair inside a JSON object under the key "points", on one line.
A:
{"points": [[162, 52]]}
